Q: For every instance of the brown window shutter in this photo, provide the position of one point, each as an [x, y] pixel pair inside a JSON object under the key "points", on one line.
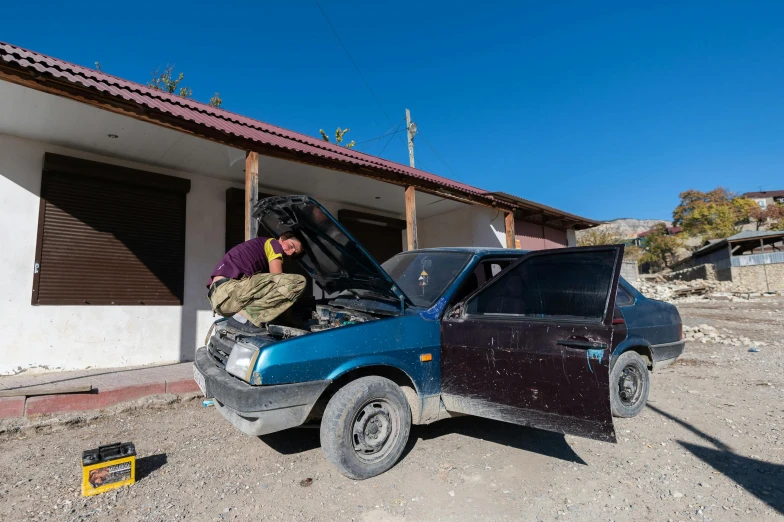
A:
{"points": [[103, 241]]}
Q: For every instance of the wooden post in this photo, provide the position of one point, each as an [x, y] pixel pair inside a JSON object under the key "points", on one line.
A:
{"points": [[251, 193], [411, 224], [510, 231]]}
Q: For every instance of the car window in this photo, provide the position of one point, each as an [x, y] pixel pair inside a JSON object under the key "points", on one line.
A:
{"points": [[423, 276], [483, 272], [572, 285], [622, 297]]}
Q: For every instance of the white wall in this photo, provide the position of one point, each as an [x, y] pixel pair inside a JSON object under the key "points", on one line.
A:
{"points": [[73, 337], [571, 237], [464, 227]]}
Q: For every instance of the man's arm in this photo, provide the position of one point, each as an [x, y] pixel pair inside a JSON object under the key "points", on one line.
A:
{"points": [[276, 266]]}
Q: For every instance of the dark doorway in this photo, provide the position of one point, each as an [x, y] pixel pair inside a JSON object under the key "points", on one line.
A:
{"points": [[380, 235]]}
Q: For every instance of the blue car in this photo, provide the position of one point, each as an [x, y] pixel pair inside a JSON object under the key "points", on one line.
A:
{"points": [[552, 339]]}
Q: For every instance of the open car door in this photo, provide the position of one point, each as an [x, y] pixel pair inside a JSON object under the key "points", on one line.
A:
{"points": [[532, 347]]}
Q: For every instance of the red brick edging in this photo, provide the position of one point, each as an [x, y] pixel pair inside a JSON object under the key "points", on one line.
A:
{"points": [[107, 396]]}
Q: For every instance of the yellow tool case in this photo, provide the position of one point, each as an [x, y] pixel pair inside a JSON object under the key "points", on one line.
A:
{"points": [[108, 467]]}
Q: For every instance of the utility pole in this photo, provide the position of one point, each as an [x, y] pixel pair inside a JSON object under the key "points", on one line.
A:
{"points": [[411, 130]]}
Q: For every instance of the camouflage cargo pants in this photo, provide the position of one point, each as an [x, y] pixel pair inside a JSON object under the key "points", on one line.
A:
{"points": [[262, 297]]}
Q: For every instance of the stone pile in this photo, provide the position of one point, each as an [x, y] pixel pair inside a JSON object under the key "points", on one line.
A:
{"points": [[696, 290], [708, 334]]}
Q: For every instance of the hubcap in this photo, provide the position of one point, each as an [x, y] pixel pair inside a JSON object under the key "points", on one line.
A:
{"points": [[372, 430], [630, 385]]}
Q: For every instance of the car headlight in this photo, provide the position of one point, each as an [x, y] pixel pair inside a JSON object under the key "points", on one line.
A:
{"points": [[242, 360]]}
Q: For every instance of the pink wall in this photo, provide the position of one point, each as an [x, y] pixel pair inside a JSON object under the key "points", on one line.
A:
{"points": [[536, 237]]}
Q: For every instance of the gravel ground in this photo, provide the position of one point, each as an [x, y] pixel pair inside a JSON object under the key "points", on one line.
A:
{"points": [[709, 447]]}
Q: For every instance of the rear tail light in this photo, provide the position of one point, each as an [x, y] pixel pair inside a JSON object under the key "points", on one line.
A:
{"points": [[681, 334]]}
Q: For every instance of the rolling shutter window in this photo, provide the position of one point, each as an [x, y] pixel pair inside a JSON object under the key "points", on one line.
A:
{"points": [[109, 236]]}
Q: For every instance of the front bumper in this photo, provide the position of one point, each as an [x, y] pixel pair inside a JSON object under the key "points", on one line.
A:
{"points": [[257, 410]]}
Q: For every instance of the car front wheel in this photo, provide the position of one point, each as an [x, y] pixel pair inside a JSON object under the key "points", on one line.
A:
{"points": [[365, 427], [629, 385]]}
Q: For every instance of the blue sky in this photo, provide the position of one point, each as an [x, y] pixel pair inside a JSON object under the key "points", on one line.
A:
{"points": [[599, 108]]}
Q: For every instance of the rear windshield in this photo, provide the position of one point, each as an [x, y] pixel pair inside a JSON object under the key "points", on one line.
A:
{"points": [[424, 276]]}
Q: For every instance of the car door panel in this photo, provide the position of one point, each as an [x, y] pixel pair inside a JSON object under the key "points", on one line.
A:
{"points": [[550, 373]]}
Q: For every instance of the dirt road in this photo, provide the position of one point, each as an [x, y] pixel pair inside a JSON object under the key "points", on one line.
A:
{"points": [[709, 447]]}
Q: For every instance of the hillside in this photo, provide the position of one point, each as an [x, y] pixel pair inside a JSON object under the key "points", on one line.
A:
{"points": [[628, 227]]}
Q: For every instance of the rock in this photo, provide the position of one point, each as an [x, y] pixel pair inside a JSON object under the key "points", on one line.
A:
{"points": [[676, 494]]}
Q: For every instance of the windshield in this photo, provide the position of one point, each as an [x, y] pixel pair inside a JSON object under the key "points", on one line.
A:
{"points": [[423, 276]]}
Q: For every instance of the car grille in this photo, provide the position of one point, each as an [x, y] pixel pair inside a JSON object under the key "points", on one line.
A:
{"points": [[219, 349]]}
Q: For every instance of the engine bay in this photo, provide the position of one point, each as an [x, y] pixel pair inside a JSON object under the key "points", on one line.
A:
{"points": [[325, 317]]}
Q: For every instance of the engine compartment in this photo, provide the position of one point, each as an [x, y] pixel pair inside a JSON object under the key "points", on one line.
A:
{"points": [[324, 317]]}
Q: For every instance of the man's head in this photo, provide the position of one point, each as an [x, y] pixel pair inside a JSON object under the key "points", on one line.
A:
{"points": [[291, 244]]}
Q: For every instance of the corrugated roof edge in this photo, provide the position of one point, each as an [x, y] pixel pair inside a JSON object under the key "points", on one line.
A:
{"points": [[233, 124], [715, 244], [545, 208]]}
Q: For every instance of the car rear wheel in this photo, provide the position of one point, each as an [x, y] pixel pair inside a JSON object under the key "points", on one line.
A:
{"points": [[365, 427], [629, 385]]}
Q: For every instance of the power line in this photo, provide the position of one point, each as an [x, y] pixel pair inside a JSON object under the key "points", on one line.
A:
{"points": [[334, 31], [387, 133], [390, 138], [340, 40], [438, 155]]}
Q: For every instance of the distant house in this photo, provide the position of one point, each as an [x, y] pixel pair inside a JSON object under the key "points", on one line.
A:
{"points": [[766, 197], [753, 259], [640, 239]]}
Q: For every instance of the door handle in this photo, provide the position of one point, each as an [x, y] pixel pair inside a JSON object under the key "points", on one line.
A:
{"points": [[585, 345]]}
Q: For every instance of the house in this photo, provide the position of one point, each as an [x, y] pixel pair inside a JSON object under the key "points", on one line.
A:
{"points": [[752, 259], [118, 200], [766, 197], [640, 240]]}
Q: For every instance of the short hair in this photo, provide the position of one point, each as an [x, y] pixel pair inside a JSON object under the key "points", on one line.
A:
{"points": [[291, 235]]}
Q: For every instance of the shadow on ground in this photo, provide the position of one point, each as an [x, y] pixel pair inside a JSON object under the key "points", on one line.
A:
{"points": [[295, 440], [764, 480], [546, 443], [146, 465]]}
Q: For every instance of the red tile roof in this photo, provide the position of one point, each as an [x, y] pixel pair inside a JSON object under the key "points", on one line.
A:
{"points": [[226, 122], [765, 194]]}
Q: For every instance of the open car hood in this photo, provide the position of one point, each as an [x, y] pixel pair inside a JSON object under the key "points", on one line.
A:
{"points": [[333, 258]]}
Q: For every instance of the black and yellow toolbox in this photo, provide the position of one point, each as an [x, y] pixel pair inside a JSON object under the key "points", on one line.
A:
{"points": [[108, 467]]}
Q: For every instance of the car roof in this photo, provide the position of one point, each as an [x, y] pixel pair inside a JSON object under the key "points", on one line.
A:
{"points": [[471, 250]]}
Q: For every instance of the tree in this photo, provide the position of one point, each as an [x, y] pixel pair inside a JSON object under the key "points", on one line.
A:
{"points": [[216, 100], [715, 214], [338, 137], [166, 82], [660, 247], [771, 217]]}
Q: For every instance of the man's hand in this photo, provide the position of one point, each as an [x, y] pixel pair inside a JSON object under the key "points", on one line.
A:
{"points": [[276, 266]]}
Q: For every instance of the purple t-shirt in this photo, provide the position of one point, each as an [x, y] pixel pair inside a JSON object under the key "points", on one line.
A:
{"points": [[248, 258]]}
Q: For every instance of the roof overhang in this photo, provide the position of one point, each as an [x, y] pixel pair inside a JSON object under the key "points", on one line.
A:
{"points": [[534, 212]]}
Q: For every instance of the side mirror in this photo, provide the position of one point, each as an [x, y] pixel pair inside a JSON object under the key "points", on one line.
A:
{"points": [[455, 312]]}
